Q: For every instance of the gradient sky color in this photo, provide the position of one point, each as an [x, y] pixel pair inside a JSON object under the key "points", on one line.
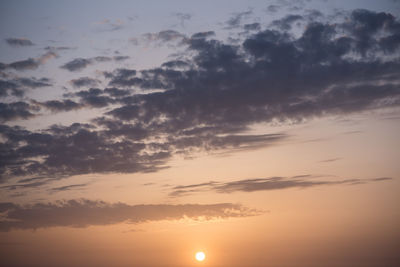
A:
{"points": [[137, 133]]}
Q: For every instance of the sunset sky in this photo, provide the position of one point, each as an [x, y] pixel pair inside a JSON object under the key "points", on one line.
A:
{"points": [[138, 133]]}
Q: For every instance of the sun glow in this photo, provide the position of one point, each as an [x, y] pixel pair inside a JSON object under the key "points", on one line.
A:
{"points": [[200, 256]]}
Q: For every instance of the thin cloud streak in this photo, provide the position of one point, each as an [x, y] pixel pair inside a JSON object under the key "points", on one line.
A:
{"points": [[265, 184]]}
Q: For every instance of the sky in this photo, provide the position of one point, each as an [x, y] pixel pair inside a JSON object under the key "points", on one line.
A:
{"points": [[138, 133]]}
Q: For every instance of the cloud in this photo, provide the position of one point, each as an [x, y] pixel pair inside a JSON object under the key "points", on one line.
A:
{"points": [[121, 58], [271, 76], [236, 20], [30, 63], [19, 42], [60, 105], [58, 48], [40, 182], [210, 99], [68, 187], [95, 97], [78, 64], [330, 160], [273, 8], [286, 23], [182, 17], [160, 38], [175, 64], [84, 82], [19, 85], [252, 27], [84, 213], [14, 111], [33, 82], [26, 64], [46, 56], [114, 147], [203, 35], [265, 184], [10, 88]]}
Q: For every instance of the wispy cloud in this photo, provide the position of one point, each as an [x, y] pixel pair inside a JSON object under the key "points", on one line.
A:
{"points": [[68, 187], [266, 184], [330, 160]]}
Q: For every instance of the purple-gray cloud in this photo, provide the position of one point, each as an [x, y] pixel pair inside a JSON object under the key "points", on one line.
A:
{"points": [[84, 213]]}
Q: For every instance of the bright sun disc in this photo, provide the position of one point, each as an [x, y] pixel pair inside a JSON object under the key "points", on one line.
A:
{"points": [[200, 256]]}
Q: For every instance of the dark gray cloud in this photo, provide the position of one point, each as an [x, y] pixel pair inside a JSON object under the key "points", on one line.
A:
{"points": [[252, 27], [271, 76], [30, 185], [15, 110], [10, 88], [202, 35], [60, 105], [78, 64], [30, 63], [209, 100], [26, 64], [84, 82], [266, 184], [94, 97], [91, 98], [175, 64], [76, 149], [68, 187], [33, 82], [286, 23], [19, 42], [119, 148], [58, 48], [121, 58], [115, 92], [18, 86], [84, 213]]}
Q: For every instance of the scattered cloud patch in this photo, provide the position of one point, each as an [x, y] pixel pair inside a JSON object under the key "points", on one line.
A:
{"points": [[78, 64], [30, 63], [18, 42], [84, 82], [68, 187]]}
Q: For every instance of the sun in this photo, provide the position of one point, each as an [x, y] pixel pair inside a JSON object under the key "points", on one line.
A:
{"points": [[200, 256]]}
